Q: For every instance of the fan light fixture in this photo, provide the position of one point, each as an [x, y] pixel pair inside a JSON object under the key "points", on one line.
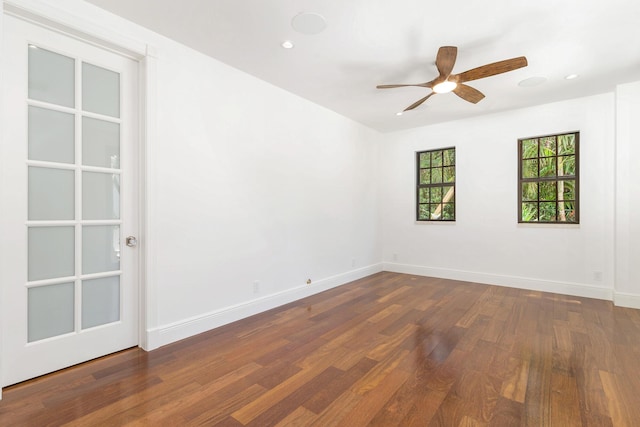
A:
{"points": [[448, 82], [445, 87]]}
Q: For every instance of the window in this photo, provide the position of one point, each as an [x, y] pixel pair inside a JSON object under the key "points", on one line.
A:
{"points": [[436, 180], [548, 179]]}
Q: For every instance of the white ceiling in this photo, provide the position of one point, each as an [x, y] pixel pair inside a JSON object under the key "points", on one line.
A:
{"points": [[371, 42]]}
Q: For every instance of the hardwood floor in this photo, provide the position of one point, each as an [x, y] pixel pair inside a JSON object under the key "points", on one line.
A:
{"points": [[387, 350]]}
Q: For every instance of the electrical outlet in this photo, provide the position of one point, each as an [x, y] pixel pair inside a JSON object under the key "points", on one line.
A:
{"points": [[308, 281], [395, 257], [597, 276], [353, 262], [256, 287]]}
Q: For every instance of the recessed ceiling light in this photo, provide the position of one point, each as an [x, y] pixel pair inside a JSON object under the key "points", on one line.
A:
{"points": [[571, 76], [287, 44], [532, 81], [308, 23], [399, 113]]}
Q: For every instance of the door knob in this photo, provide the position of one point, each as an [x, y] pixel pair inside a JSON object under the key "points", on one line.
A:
{"points": [[131, 241]]}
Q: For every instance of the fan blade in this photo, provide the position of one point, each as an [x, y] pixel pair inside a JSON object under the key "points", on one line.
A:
{"points": [[446, 59], [468, 93], [491, 69], [418, 102], [394, 86]]}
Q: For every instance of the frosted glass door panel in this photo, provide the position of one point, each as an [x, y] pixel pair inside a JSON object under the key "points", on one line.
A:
{"points": [[51, 135], [51, 194], [100, 90], [51, 252], [100, 143], [50, 311], [100, 195], [100, 248], [100, 301], [51, 77]]}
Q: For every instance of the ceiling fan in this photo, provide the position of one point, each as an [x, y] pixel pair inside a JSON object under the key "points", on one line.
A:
{"points": [[447, 82]]}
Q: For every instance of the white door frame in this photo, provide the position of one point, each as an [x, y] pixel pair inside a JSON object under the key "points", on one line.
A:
{"points": [[44, 13]]}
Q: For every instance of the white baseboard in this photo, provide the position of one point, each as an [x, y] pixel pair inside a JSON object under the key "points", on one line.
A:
{"points": [[626, 300], [565, 288], [176, 331]]}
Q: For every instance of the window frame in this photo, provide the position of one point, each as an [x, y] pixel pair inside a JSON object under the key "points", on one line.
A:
{"points": [[555, 178], [441, 185]]}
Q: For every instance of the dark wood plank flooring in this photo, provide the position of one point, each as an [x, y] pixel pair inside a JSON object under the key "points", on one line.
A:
{"points": [[387, 350]]}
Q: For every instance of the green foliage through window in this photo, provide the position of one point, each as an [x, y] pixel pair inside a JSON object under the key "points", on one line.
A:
{"points": [[548, 179], [436, 185]]}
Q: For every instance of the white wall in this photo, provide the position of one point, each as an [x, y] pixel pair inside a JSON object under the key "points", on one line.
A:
{"points": [[252, 183], [627, 231], [486, 243]]}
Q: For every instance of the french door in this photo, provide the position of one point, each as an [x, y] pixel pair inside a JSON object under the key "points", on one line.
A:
{"points": [[68, 197]]}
